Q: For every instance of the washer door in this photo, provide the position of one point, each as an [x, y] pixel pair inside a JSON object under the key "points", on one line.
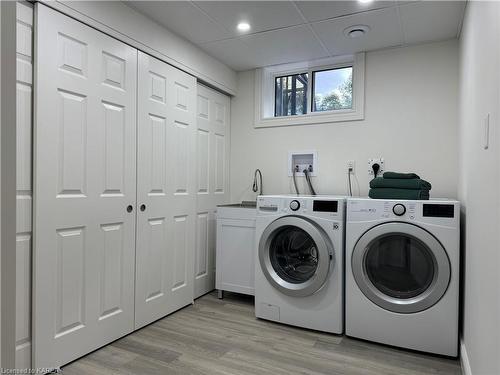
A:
{"points": [[401, 267], [295, 256]]}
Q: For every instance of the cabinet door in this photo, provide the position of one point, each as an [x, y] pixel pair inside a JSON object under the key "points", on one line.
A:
{"points": [[85, 178], [212, 188], [165, 190], [236, 255]]}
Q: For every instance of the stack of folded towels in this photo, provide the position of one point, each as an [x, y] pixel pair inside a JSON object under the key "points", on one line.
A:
{"points": [[395, 185]]}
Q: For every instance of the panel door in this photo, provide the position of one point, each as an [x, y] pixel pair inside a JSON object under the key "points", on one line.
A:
{"points": [[212, 188], [23, 183], [85, 165], [165, 190]]}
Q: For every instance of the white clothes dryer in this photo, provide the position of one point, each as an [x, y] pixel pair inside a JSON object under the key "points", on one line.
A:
{"points": [[402, 273]]}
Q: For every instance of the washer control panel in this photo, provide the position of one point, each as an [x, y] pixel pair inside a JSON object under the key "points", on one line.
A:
{"points": [[317, 206]]}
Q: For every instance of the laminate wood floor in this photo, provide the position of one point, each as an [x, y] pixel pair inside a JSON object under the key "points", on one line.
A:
{"points": [[223, 337]]}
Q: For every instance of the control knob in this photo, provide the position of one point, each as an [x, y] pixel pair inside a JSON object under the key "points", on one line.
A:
{"points": [[399, 209], [294, 205]]}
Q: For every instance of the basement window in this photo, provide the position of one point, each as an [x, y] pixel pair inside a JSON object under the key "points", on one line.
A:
{"points": [[322, 91], [290, 94]]}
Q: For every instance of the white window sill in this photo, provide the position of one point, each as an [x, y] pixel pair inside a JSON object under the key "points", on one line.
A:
{"points": [[309, 119]]}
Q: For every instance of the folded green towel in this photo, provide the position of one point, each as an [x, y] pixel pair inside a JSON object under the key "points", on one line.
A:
{"points": [[389, 193], [403, 183], [400, 175]]}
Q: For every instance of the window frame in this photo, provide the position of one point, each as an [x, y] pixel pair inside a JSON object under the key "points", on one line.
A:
{"points": [[265, 92]]}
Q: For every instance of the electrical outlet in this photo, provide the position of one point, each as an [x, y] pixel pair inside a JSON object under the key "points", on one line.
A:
{"points": [[350, 166], [380, 162]]}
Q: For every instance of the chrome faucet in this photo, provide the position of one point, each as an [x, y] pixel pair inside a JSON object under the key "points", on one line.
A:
{"points": [[255, 186]]}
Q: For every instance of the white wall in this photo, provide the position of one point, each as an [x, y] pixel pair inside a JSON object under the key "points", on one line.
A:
{"points": [[410, 119], [479, 186], [126, 24]]}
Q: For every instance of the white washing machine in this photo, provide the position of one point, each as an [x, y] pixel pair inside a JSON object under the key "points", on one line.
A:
{"points": [[402, 273], [300, 259]]}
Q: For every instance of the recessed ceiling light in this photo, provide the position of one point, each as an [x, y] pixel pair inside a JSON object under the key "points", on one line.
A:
{"points": [[243, 26], [356, 31], [365, 1]]}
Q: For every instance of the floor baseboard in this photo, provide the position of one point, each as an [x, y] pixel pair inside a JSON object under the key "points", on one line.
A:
{"points": [[464, 359]]}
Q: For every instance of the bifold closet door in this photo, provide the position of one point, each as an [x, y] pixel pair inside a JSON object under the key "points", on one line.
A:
{"points": [[24, 183], [166, 195], [85, 189], [212, 189]]}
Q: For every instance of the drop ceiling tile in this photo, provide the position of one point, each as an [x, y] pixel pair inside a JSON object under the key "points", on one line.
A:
{"points": [[385, 31], [232, 52], [182, 18], [321, 10], [285, 45], [293, 44], [261, 15], [431, 20]]}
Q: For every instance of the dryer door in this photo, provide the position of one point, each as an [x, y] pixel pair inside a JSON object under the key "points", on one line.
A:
{"points": [[401, 267], [295, 255]]}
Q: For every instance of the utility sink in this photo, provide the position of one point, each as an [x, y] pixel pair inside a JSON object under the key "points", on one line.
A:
{"points": [[246, 210], [244, 204]]}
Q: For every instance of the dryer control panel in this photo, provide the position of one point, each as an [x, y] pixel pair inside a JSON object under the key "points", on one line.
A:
{"points": [[437, 212]]}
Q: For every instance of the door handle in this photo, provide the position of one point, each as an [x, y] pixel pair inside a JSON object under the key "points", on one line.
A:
{"points": [[130, 208], [143, 207]]}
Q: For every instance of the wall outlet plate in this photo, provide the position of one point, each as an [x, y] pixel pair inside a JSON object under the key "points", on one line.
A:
{"points": [[379, 161], [351, 166]]}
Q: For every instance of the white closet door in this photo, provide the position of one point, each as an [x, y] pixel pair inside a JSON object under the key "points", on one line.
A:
{"points": [[212, 189], [85, 176], [165, 190], [24, 186]]}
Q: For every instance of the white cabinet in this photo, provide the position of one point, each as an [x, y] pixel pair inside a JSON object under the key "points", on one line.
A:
{"points": [[235, 249]]}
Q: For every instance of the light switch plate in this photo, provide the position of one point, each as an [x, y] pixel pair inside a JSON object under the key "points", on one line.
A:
{"points": [[486, 141]]}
